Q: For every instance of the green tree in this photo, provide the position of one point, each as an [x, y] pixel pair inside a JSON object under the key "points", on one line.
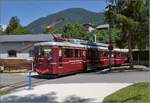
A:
{"points": [[1, 29], [70, 31], [74, 31], [129, 16], [53, 31], [13, 24], [77, 31], [14, 27], [103, 37], [21, 30]]}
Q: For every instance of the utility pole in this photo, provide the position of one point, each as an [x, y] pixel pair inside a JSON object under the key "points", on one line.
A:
{"points": [[110, 47], [95, 38]]}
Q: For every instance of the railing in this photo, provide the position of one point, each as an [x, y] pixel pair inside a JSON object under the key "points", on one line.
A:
{"points": [[9, 65]]}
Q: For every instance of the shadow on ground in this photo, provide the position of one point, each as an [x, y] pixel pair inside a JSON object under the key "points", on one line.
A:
{"points": [[52, 77], [46, 98], [41, 77]]}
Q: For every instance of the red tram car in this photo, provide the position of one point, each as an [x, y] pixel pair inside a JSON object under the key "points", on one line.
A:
{"points": [[61, 58]]}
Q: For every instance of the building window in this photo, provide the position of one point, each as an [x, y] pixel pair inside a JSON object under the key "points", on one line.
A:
{"points": [[77, 53], [31, 53], [68, 53], [12, 53]]}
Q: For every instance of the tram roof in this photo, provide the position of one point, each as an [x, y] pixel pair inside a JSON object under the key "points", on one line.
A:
{"points": [[121, 50], [68, 44]]}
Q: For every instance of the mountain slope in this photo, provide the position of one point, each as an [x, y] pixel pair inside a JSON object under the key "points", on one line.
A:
{"points": [[72, 15]]}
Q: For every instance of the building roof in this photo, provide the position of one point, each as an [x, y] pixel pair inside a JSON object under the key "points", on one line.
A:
{"points": [[88, 24], [104, 26], [28, 37]]}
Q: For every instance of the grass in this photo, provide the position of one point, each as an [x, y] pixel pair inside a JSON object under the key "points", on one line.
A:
{"points": [[3, 93], [136, 93]]}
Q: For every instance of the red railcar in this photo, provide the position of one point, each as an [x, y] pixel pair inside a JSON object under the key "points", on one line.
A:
{"points": [[61, 58]]}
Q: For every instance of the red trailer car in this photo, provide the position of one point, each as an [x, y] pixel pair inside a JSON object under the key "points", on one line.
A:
{"points": [[61, 58]]}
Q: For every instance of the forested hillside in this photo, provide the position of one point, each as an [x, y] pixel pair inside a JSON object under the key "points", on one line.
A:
{"points": [[72, 15]]}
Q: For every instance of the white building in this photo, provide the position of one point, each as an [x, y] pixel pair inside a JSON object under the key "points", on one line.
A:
{"points": [[21, 46]]}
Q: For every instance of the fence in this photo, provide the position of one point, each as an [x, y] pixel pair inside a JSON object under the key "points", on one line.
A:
{"points": [[9, 65], [141, 57]]}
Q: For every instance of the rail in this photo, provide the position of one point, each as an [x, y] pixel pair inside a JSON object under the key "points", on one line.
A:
{"points": [[17, 85]]}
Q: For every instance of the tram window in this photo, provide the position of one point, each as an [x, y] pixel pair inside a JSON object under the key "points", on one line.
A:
{"points": [[101, 53], [77, 53], [105, 54], [47, 52], [120, 54], [68, 53], [117, 53], [125, 54], [42, 51]]}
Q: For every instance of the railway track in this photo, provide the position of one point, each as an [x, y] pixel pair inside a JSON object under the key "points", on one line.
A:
{"points": [[17, 85]]}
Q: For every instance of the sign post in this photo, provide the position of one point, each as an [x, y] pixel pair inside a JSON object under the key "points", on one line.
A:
{"points": [[29, 76], [110, 48], [29, 81]]}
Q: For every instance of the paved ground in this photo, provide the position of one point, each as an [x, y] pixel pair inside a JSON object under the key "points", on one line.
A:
{"points": [[89, 87], [126, 77], [10, 78], [92, 77], [64, 93]]}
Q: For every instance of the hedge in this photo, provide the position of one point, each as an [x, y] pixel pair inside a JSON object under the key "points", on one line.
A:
{"points": [[141, 55]]}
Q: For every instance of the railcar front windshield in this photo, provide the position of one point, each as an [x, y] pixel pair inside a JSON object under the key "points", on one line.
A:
{"points": [[42, 51]]}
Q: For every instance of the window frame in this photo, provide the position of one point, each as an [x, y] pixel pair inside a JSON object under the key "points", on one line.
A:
{"points": [[78, 51], [12, 53], [70, 55]]}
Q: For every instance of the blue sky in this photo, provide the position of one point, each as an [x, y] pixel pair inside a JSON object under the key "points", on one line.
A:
{"points": [[30, 10]]}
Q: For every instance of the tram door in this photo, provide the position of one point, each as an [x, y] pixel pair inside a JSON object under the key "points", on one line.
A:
{"points": [[43, 57], [68, 60], [78, 58], [84, 58], [60, 61]]}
